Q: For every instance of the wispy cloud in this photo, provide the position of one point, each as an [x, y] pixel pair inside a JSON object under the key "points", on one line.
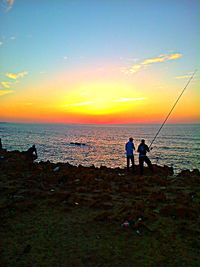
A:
{"points": [[5, 92], [6, 5], [133, 69], [5, 84], [161, 58], [10, 83], [149, 61], [15, 76], [183, 77], [128, 99]]}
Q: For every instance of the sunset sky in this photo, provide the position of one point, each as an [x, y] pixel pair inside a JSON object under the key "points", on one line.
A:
{"points": [[99, 61]]}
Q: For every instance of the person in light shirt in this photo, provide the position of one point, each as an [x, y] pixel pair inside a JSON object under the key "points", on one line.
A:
{"points": [[129, 147]]}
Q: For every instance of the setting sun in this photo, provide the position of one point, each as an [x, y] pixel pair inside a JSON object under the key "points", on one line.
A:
{"points": [[101, 99]]}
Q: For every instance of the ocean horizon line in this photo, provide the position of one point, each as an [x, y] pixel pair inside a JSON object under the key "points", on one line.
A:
{"points": [[97, 124]]}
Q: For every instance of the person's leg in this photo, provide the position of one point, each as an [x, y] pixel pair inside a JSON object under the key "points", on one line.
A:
{"points": [[141, 162], [148, 162], [128, 161], [132, 162]]}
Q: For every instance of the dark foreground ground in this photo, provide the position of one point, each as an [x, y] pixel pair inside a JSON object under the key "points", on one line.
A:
{"points": [[60, 215]]}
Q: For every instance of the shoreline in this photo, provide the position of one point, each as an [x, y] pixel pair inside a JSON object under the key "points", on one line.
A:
{"points": [[158, 169]]}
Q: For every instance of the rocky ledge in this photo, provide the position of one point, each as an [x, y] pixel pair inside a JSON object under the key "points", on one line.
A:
{"points": [[114, 196]]}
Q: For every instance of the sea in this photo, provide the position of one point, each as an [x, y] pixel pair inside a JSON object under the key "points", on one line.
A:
{"points": [[177, 145]]}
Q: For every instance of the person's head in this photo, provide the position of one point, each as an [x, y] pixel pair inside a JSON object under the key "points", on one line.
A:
{"points": [[143, 141], [131, 139]]}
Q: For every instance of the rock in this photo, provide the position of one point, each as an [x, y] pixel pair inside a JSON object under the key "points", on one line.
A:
{"points": [[157, 197], [180, 212], [195, 172], [56, 169]]}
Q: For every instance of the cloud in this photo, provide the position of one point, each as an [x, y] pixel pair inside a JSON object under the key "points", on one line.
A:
{"points": [[5, 92], [153, 60], [127, 99], [186, 76], [135, 68], [149, 61], [14, 80], [15, 76], [1, 43], [183, 77], [174, 56], [161, 58], [5, 84], [6, 5]]}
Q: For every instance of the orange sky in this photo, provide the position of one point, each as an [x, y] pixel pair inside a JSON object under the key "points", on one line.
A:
{"points": [[98, 100]]}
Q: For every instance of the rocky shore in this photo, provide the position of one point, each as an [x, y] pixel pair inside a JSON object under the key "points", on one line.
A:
{"points": [[63, 215]]}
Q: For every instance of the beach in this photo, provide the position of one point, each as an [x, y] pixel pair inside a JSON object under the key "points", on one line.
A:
{"points": [[57, 214]]}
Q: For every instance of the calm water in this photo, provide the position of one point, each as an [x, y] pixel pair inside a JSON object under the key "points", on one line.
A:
{"points": [[176, 145]]}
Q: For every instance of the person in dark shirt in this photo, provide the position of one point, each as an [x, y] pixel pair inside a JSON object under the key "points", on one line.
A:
{"points": [[31, 153], [1, 145], [129, 147], [142, 150]]}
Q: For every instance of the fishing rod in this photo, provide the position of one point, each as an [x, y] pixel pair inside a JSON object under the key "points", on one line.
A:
{"points": [[172, 108]]}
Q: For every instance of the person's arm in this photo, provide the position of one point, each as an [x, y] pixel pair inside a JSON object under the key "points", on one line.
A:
{"points": [[126, 147]]}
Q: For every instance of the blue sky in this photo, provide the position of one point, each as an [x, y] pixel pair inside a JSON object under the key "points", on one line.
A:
{"points": [[96, 30]]}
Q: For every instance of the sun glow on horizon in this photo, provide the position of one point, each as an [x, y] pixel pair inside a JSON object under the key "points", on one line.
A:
{"points": [[101, 99]]}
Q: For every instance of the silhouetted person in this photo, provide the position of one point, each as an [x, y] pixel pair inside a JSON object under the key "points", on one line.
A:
{"points": [[0, 145], [31, 153], [143, 149], [129, 147]]}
